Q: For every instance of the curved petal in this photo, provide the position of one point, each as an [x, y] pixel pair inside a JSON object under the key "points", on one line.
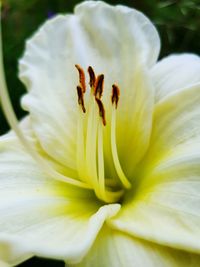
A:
{"points": [[108, 27], [164, 206], [41, 216], [113, 40], [115, 249], [175, 72], [134, 121]]}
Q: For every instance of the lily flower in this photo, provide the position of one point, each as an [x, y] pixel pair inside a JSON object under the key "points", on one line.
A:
{"points": [[105, 169]]}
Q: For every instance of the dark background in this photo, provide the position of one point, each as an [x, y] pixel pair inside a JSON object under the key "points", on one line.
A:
{"points": [[178, 23]]}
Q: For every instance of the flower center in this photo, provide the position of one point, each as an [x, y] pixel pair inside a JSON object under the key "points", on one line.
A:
{"points": [[90, 139]]}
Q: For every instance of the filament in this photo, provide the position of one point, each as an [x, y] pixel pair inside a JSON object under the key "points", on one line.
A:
{"points": [[118, 167]]}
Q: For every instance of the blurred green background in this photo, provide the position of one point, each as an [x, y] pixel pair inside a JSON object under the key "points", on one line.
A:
{"points": [[178, 23]]}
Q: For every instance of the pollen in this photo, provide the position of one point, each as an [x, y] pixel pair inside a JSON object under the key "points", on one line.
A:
{"points": [[92, 77], [80, 98], [101, 110], [98, 90], [96, 87], [81, 78], [115, 95]]}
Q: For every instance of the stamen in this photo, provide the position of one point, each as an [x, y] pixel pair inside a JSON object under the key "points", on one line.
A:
{"points": [[98, 89], [101, 111], [116, 161], [81, 78], [115, 95], [92, 77], [80, 98]]}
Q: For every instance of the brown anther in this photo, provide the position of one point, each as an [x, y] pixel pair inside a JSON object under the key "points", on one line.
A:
{"points": [[80, 98], [92, 77], [98, 89], [102, 113], [81, 78], [115, 95]]}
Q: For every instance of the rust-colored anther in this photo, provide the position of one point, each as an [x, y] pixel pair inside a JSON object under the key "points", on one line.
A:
{"points": [[115, 95], [101, 111], [80, 98], [81, 78], [92, 77], [98, 89]]}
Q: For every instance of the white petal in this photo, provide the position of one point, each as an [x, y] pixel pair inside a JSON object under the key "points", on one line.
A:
{"points": [[4, 264], [41, 216], [12, 255], [176, 122], [119, 31], [114, 40], [134, 120], [115, 249], [175, 72], [164, 205]]}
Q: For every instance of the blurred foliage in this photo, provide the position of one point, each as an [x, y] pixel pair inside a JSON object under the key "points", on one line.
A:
{"points": [[178, 22]]}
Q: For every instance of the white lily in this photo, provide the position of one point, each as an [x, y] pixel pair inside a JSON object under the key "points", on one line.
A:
{"points": [[107, 170]]}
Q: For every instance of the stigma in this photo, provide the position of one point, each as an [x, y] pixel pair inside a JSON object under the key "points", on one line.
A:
{"points": [[91, 134]]}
